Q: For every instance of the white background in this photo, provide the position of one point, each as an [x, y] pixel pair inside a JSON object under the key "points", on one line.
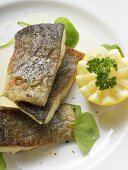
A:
{"points": [[115, 14]]}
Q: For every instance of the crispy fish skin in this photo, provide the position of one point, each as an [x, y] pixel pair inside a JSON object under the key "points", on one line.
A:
{"points": [[39, 50], [61, 86], [19, 132]]}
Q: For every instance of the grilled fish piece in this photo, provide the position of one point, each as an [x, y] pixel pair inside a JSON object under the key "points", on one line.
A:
{"points": [[63, 82], [19, 132], [39, 50]]}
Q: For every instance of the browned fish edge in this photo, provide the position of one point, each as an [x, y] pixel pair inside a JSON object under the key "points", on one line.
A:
{"points": [[62, 84], [19, 132], [24, 83]]}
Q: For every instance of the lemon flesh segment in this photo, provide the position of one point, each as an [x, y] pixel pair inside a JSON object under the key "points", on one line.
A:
{"points": [[123, 83], [123, 63], [122, 73], [108, 99], [100, 52], [114, 54], [95, 97], [86, 80], [88, 89], [81, 68]]}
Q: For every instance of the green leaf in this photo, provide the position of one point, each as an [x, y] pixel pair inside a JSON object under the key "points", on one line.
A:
{"points": [[10, 42], [22, 23], [86, 131], [102, 68], [2, 162], [77, 109], [114, 46], [72, 35]]}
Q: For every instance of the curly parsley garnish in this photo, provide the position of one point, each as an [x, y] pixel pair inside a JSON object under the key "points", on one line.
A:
{"points": [[102, 68]]}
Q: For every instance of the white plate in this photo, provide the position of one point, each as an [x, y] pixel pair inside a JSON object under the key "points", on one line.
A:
{"points": [[112, 121]]}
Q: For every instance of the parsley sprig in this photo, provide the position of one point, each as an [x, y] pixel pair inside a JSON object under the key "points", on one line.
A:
{"points": [[102, 67]]}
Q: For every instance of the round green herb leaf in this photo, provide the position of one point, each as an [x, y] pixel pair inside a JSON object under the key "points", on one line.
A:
{"points": [[77, 109], [2, 162], [72, 35], [85, 131]]}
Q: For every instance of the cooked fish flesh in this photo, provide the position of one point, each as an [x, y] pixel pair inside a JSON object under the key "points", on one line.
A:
{"points": [[63, 82], [19, 132], [39, 50]]}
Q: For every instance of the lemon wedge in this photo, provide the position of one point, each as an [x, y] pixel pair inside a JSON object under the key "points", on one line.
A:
{"points": [[87, 81]]}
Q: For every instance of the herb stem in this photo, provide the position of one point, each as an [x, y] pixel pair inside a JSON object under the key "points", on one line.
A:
{"points": [[22, 23], [6, 44], [114, 46]]}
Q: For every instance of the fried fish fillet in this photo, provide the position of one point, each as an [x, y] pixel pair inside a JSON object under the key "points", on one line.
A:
{"points": [[39, 50], [19, 132], [61, 86]]}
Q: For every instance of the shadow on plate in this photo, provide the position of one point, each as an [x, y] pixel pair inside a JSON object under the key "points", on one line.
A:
{"points": [[37, 155], [111, 117]]}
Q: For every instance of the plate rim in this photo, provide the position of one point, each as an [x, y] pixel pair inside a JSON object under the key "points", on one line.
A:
{"points": [[13, 1]]}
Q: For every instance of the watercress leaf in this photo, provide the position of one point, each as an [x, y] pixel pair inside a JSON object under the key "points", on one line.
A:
{"points": [[72, 35], [2, 162], [77, 109], [114, 46], [85, 131]]}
